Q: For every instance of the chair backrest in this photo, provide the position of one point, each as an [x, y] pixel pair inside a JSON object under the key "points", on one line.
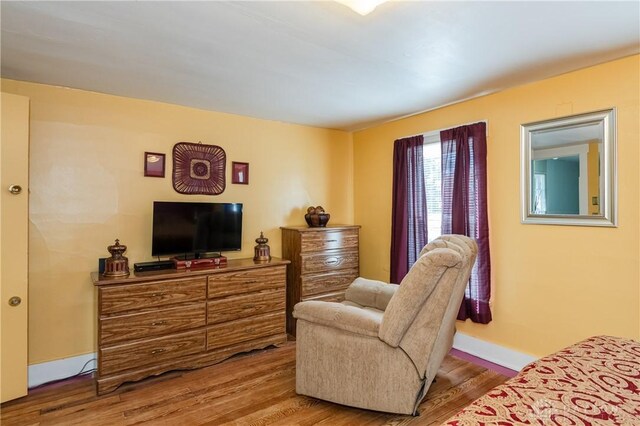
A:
{"points": [[420, 317]]}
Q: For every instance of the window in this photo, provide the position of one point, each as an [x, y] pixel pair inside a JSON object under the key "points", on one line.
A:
{"points": [[443, 176], [433, 183], [540, 193]]}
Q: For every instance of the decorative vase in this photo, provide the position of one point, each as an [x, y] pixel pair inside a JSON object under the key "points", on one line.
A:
{"points": [[262, 252], [117, 265], [316, 217]]}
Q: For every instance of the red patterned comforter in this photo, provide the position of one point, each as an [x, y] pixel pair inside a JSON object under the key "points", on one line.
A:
{"points": [[594, 382]]}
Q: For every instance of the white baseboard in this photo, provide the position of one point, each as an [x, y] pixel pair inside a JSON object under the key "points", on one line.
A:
{"points": [[68, 367], [491, 352], [60, 369]]}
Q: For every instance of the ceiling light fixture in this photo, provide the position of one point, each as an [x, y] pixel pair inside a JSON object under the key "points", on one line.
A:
{"points": [[363, 7]]}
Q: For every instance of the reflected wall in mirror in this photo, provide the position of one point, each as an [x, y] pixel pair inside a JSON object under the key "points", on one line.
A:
{"points": [[568, 170]]}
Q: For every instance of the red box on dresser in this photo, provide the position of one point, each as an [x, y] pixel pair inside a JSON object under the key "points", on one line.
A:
{"points": [[211, 262]]}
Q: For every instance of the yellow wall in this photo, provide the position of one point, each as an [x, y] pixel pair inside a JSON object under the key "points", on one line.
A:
{"points": [[87, 188], [552, 285]]}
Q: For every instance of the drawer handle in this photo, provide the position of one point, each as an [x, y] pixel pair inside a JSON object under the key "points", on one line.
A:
{"points": [[162, 293], [333, 261], [157, 351], [163, 322], [332, 241]]}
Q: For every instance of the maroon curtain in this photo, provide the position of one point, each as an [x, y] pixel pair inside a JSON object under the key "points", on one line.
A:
{"points": [[464, 209], [409, 209]]}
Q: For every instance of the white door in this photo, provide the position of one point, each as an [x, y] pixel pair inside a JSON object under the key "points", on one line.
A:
{"points": [[14, 216]]}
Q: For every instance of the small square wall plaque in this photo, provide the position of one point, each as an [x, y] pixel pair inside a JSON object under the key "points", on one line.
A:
{"points": [[154, 164], [240, 173]]}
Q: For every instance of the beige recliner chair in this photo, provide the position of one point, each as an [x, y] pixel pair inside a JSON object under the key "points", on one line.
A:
{"points": [[381, 348]]}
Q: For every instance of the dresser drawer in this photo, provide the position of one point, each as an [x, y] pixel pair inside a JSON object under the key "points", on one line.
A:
{"points": [[337, 296], [149, 324], [150, 352], [325, 283], [244, 330], [330, 261], [234, 307], [139, 296], [328, 240], [230, 283]]}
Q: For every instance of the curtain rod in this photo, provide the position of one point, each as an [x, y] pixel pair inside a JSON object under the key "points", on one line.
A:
{"points": [[444, 128]]}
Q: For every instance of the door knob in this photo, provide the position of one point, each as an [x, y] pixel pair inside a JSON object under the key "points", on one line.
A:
{"points": [[15, 189], [15, 301]]}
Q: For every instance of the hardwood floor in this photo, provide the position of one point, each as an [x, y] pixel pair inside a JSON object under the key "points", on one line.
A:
{"points": [[252, 389]]}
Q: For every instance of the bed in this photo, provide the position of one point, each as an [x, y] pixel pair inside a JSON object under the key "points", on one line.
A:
{"points": [[594, 382]]}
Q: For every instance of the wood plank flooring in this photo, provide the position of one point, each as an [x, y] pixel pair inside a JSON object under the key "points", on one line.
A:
{"points": [[252, 389]]}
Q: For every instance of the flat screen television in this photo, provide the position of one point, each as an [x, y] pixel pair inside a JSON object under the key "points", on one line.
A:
{"points": [[192, 229]]}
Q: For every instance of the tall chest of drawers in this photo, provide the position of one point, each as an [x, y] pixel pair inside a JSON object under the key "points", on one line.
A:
{"points": [[155, 322], [324, 261]]}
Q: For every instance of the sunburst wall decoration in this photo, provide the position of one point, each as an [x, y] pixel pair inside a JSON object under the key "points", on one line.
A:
{"points": [[198, 168]]}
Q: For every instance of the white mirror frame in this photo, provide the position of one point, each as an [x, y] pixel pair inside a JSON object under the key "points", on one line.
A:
{"points": [[608, 216]]}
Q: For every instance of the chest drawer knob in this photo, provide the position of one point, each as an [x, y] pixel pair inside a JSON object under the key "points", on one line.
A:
{"points": [[333, 261], [157, 351]]}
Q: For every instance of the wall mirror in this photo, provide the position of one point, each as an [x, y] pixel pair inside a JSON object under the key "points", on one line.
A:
{"points": [[568, 170]]}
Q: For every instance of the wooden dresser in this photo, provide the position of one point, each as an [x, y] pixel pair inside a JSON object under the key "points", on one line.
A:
{"points": [[153, 322], [324, 261]]}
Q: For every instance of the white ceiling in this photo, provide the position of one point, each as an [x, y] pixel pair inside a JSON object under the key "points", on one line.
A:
{"points": [[314, 63]]}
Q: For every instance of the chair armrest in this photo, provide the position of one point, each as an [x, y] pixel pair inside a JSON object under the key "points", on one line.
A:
{"points": [[339, 316], [370, 293]]}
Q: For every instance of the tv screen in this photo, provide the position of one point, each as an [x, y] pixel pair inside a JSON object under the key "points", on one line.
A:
{"points": [[195, 228]]}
